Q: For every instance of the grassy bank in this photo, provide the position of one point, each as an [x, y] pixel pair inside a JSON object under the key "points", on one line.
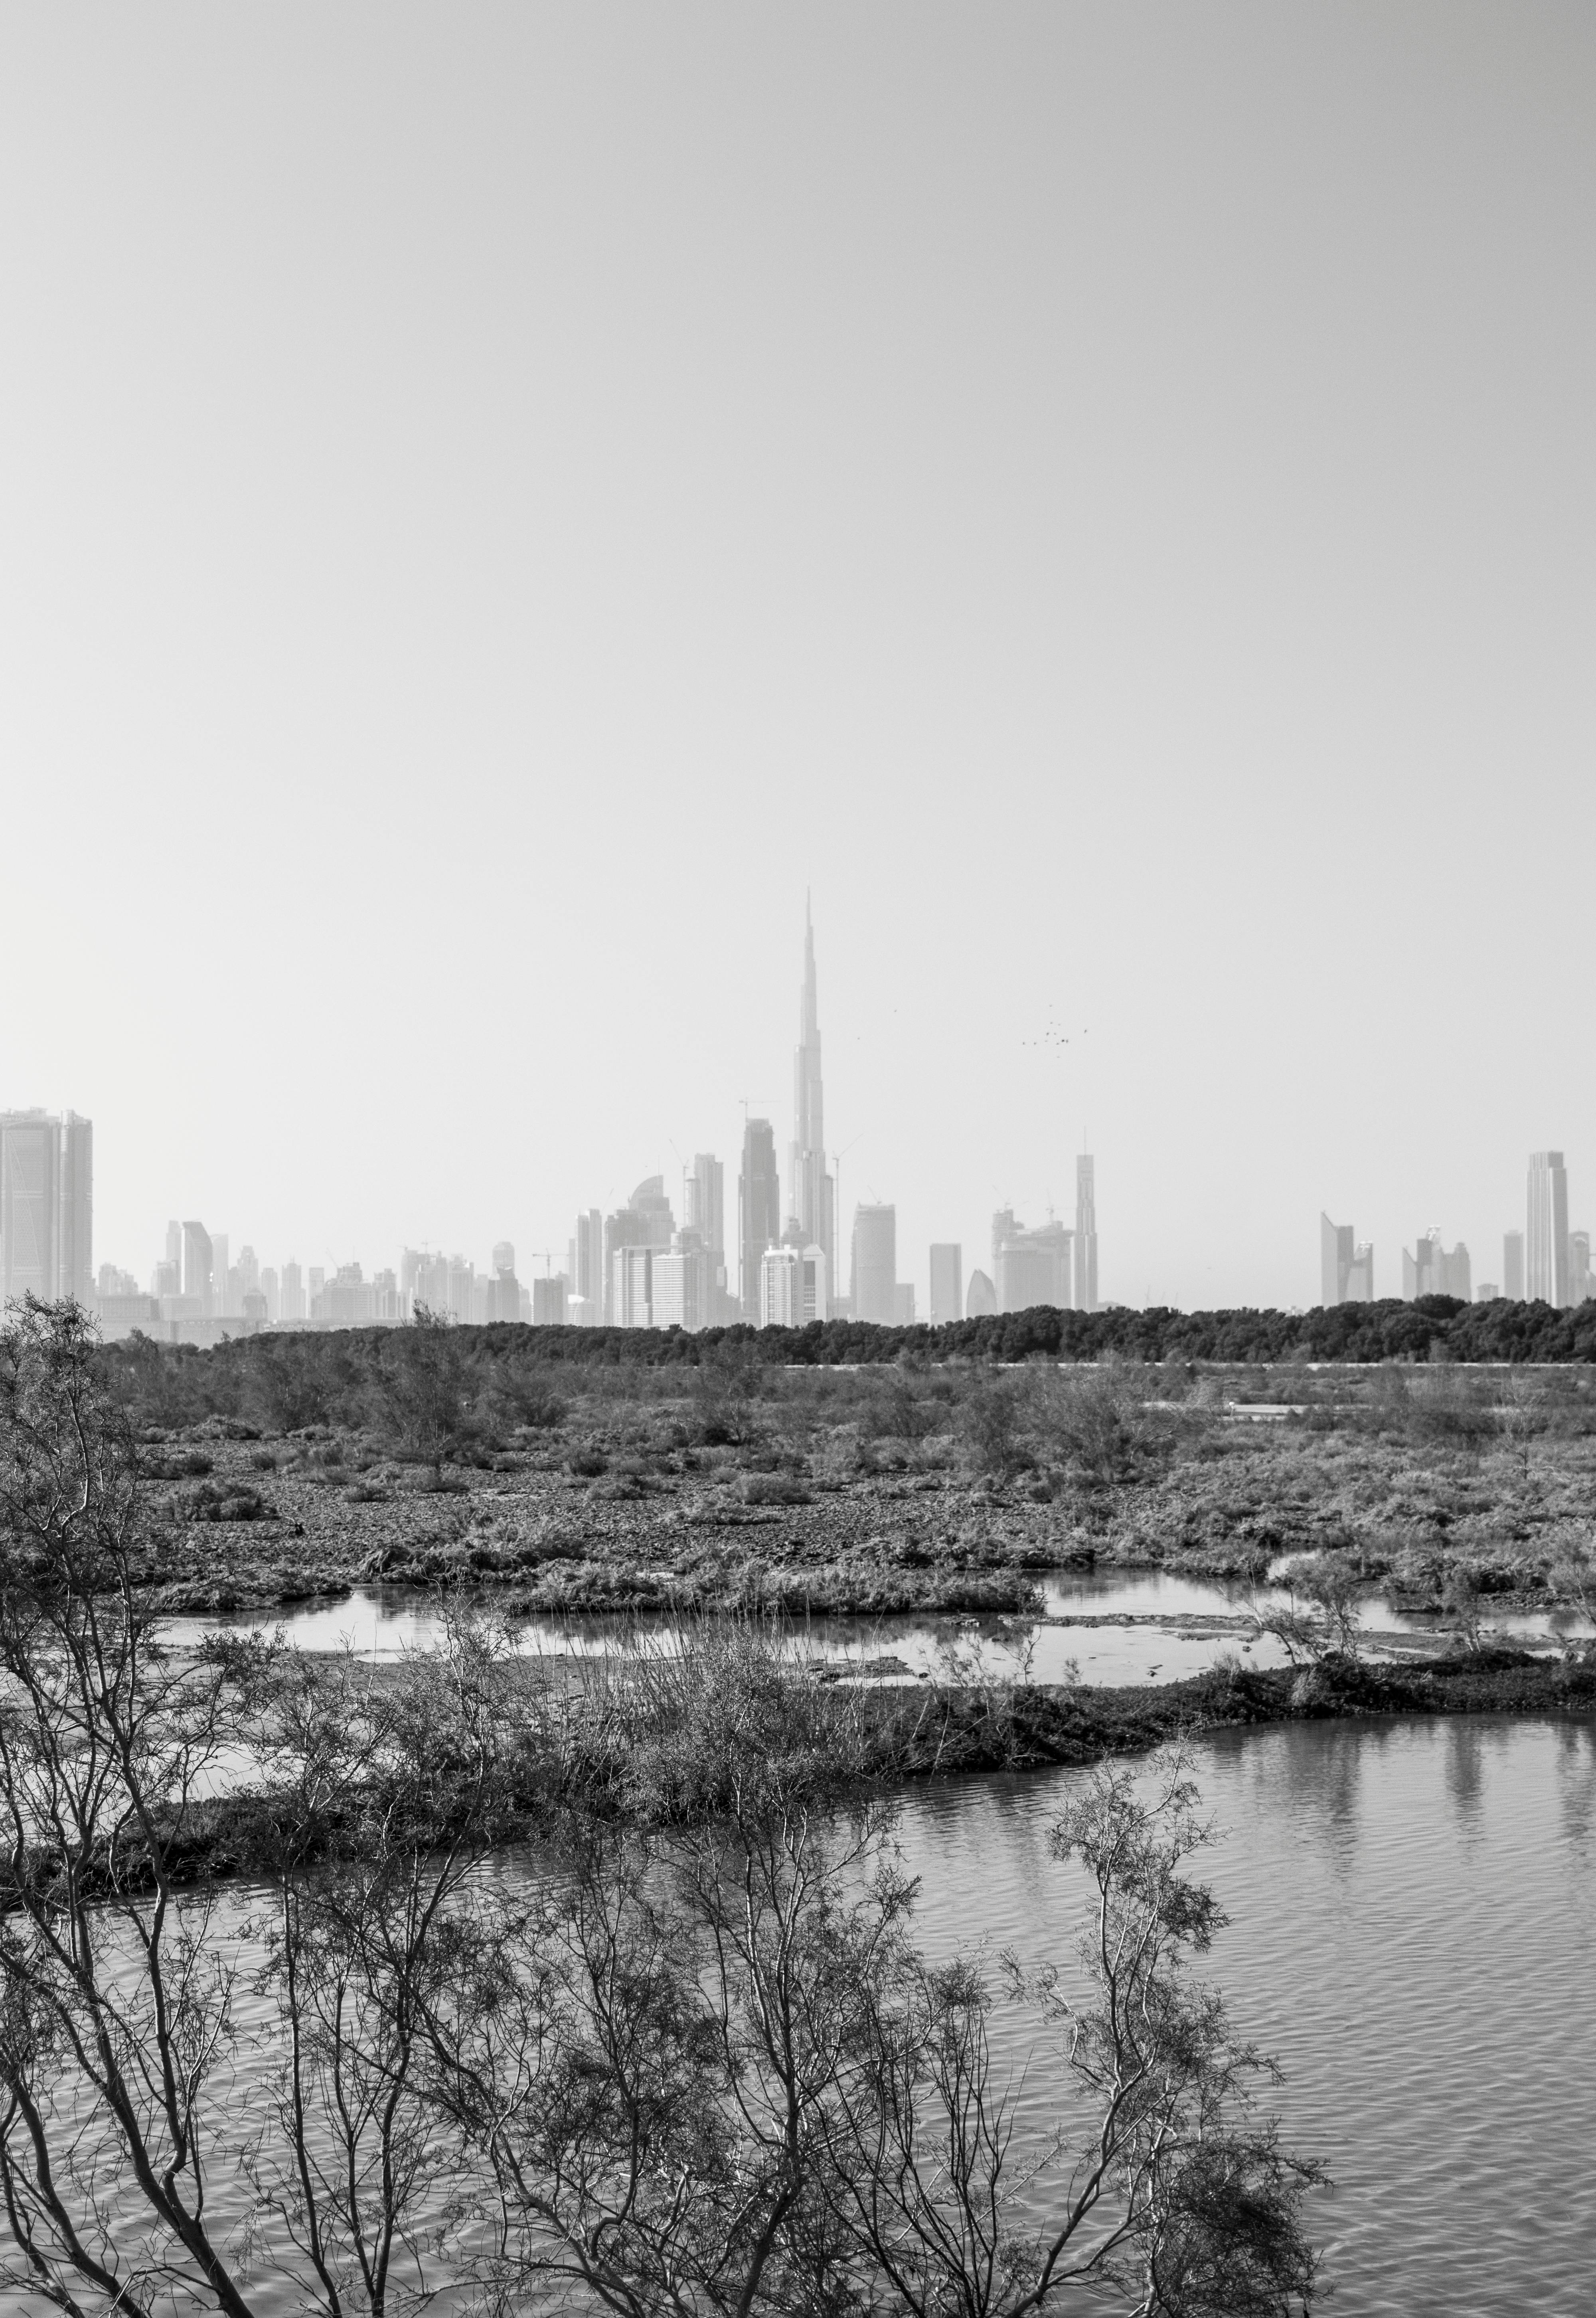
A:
{"points": [[610, 1765]]}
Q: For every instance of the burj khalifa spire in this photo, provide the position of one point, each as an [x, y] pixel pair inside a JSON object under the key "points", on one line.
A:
{"points": [[809, 1186]]}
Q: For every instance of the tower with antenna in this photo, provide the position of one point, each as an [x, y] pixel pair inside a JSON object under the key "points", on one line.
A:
{"points": [[809, 1203], [1086, 1232]]}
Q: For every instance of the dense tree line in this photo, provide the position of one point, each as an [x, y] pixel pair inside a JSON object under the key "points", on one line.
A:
{"points": [[288, 1380]]}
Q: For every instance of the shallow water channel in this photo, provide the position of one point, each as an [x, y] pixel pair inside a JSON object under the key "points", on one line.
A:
{"points": [[1103, 1626]]}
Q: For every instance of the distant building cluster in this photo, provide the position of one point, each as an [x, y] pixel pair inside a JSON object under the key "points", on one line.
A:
{"points": [[638, 1268], [773, 1261], [1545, 1263]]}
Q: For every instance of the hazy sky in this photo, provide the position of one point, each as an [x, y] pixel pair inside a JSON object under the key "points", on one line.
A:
{"points": [[495, 501]]}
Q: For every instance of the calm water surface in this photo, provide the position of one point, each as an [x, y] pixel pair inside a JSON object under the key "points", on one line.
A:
{"points": [[383, 1621], [1413, 1934]]}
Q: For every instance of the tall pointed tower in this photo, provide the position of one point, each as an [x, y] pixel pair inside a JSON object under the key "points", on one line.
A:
{"points": [[808, 1185]]}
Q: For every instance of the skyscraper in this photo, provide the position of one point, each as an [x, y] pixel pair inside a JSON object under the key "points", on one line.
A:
{"points": [[1512, 1266], [1335, 1259], [46, 1206], [1431, 1271], [1030, 1267], [703, 1195], [1545, 1236], [1345, 1266], [875, 1264], [808, 1187], [636, 1224], [585, 1267], [196, 1267], [504, 1302], [648, 1201], [758, 1210], [75, 1262], [631, 1286], [947, 1282], [1086, 1233]]}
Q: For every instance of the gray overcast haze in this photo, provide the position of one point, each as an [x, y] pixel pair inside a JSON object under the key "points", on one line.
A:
{"points": [[495, 501]]}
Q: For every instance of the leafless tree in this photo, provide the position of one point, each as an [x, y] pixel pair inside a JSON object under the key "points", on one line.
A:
{"points": [[720, 2078], [1321, 1614], [117, 2002], [1171, 2194], [130, 2074]]}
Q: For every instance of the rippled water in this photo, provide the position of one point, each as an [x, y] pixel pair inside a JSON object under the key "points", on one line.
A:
{"points": [[1413, 1934]]}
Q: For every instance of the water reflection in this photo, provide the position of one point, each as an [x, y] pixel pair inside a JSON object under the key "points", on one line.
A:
{"points": [[382, 1621], [1412, 1933], [1576, 1784]]}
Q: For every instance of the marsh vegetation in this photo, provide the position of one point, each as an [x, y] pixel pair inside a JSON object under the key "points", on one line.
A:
{"points": [[683, 2056], [283, 1466]]}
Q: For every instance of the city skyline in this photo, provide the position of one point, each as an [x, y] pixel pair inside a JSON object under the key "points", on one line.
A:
{"points": [[1069, 539], [642, 1265]]}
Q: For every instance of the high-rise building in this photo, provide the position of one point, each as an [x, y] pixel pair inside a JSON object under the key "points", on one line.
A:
{"points": [[271, 1292], [1580, 1287], [625, 1228], [504, 1290], [758, 1211], [1335, 1259], [649, 1202], [631, 1286], [980, 1297], [221, 1306], [1346, 1267], [76, 1259], [47, 1195], [585, 1270], [703, 1191], [778, 1286], [1086, 1233], [875, 1264], [947, 1282], [1546, 1236], [196, 1269], [903, 1303], [1031, 1267], [1431, 1270], [1512, 1266], [809, 1186], [793, 1285], [460, 1298], [676, 1288], [548, 1302], [291, 1293]]}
